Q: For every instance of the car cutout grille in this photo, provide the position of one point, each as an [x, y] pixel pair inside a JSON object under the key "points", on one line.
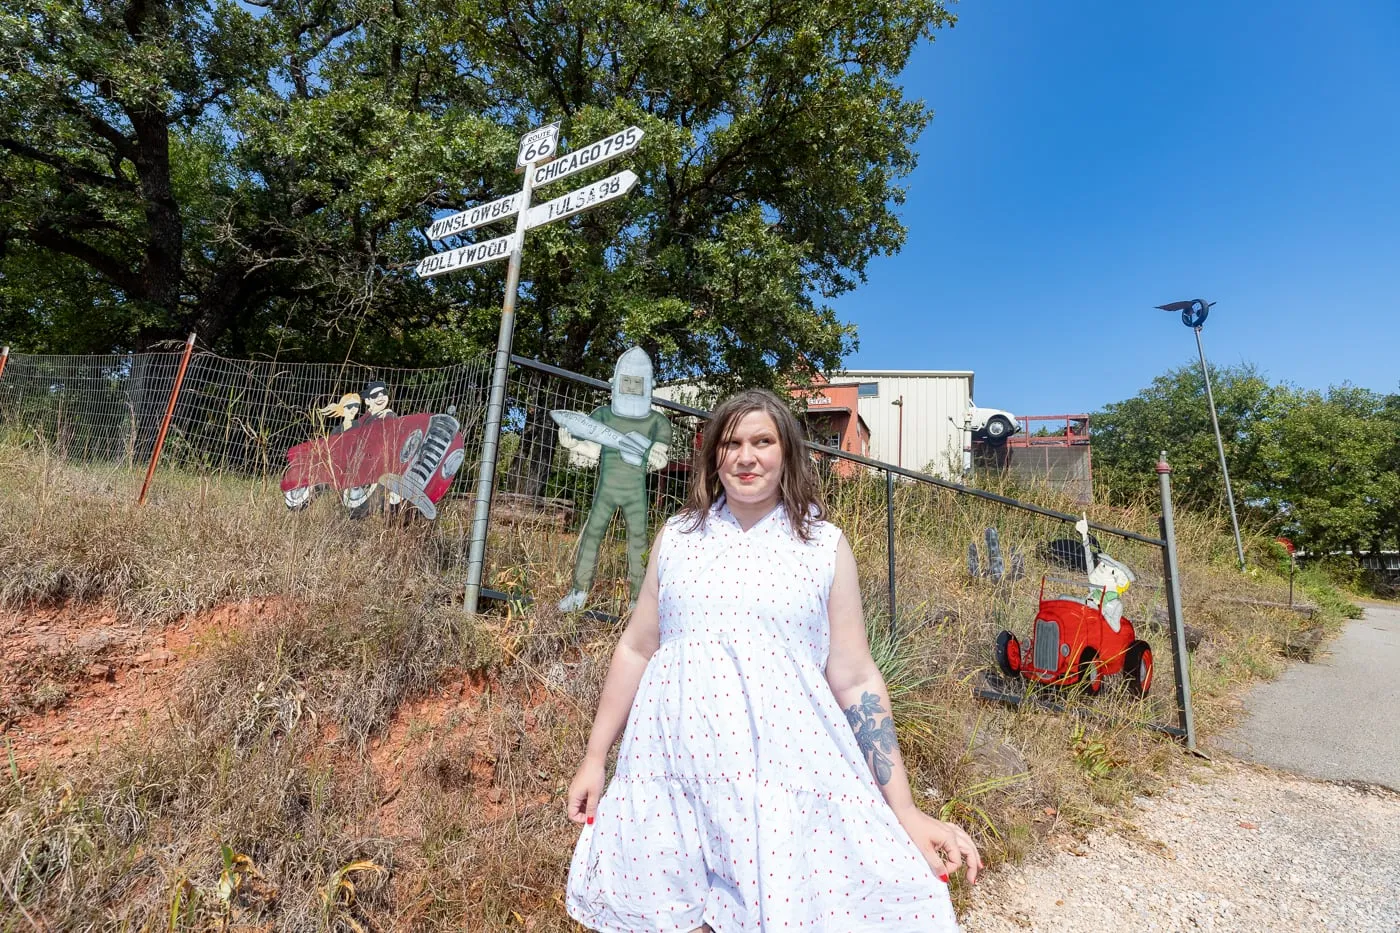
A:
{"points": [[441, 429], [1047, 645]]}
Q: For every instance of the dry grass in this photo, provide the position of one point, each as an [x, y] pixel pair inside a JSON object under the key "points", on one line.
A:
{"points": [[330, 768]]}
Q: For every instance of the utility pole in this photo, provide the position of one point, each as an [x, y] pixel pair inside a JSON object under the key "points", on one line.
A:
{"points": [[1193, 315]]}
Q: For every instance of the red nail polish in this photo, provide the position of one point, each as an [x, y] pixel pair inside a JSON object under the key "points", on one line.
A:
{"points": [[942, 878], [590, 821]]}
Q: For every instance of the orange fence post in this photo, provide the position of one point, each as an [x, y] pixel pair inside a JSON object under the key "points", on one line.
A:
{"points": [[165, 425], [4, 358]]}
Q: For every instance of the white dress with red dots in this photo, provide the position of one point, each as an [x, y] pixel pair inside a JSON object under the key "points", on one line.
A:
{"points": [[741, 798]]}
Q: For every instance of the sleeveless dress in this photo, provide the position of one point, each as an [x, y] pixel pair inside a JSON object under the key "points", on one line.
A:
{"points": [[741, 798]]}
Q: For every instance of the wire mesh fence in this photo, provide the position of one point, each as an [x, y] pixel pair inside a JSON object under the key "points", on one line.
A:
{"points": [[231, 416], [950, 566], [88, 407]]}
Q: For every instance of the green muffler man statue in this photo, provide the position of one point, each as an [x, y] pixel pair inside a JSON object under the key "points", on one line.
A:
{"points": [[628, 440]]}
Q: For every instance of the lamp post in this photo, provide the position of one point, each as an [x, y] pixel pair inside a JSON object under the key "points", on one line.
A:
{"points": [[899, 403], [1193, 315]]}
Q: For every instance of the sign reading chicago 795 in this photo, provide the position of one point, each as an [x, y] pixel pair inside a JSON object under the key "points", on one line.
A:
{"points": [[604, 149]]}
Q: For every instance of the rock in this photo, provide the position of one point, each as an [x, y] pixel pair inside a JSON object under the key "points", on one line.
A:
{"points": [[1159, 621], [97, 639], [1301, 646], [991, 757], [99, 671], [495, 795], [942, 616]]}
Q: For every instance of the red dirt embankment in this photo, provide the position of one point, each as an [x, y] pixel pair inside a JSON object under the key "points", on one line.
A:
{"points": [[74, 678]]}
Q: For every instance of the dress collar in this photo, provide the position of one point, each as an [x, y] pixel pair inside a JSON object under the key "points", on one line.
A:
{"points": [[720, 510]]}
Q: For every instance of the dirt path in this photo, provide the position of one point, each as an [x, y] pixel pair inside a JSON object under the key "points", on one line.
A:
{"points": [[1230, 847]]}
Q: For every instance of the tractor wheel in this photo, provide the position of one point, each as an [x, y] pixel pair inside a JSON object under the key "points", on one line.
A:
{"points": [[1137, 668], [1009, 654], [1090, 677]]}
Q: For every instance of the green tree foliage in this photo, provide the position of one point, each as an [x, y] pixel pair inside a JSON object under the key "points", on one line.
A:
{"points": [[1325, 472], [1171, 414], [262, 172], [1322, 468]]}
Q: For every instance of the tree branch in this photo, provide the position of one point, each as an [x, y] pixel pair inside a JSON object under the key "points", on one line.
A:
{"points": [[69, 169], [108, 266]]}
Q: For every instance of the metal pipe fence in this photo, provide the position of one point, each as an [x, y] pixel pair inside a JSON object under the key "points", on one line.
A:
{"points": [[238, 418]]}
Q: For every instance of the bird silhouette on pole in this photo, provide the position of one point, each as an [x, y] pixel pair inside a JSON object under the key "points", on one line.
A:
{"points": [[1193, 312]]}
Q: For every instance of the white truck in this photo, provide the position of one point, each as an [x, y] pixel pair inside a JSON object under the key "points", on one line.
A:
{"points": [[992, 425]]}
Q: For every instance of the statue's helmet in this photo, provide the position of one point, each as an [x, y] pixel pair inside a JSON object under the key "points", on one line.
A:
{"points": [[632, 384]]}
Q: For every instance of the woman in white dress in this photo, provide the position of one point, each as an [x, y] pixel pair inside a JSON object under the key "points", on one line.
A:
{"points": [[759, 786]]}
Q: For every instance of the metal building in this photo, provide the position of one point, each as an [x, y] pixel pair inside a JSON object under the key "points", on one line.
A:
{"points": [[914, 416]]}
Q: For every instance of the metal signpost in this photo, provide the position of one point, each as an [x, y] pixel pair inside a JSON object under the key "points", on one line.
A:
{"points": [[536, 148]]}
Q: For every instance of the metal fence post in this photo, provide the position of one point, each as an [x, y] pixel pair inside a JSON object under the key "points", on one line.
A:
{"points": [[889, 541], [165, 424], [1171, 571]]}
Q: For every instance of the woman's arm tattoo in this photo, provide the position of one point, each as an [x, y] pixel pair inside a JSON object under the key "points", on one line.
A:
{"points": [[874, 736]]}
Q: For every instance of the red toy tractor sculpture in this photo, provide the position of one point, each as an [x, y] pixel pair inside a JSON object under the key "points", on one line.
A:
{"points": [[1072, 643]]}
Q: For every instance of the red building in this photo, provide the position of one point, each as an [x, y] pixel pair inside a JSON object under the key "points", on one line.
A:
{"points": [[833, 419]]}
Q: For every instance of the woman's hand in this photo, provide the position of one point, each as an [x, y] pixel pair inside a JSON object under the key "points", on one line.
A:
{"points": [[585, 790], [945, 846]]}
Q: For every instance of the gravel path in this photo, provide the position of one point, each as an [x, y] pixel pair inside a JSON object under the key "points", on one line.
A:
{"points": [[1229, 847]]}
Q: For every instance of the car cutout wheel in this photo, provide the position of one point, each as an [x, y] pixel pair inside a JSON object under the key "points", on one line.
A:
{"points": [[452, 463], [297, 499], [1138, 668], [361, 501], [410, 446], [356, 496]]}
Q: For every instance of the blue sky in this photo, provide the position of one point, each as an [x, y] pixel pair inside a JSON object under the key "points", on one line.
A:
{"points": [[1090, 159]]}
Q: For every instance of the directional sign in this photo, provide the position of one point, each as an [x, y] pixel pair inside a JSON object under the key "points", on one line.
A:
{"points": [[464, 257], [604, 149], [535, 146], [581, 199], [538, 145], [499, 209]]}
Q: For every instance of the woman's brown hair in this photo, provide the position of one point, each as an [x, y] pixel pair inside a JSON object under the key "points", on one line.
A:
{"points": [[798, 486]]}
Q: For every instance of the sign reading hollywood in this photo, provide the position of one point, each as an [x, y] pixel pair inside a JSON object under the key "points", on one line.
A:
{"points": [[604, 149], [464, 257]]}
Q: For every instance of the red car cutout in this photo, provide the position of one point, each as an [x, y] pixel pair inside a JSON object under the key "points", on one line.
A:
{"points": [[1072, 643], [412, 457]]}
